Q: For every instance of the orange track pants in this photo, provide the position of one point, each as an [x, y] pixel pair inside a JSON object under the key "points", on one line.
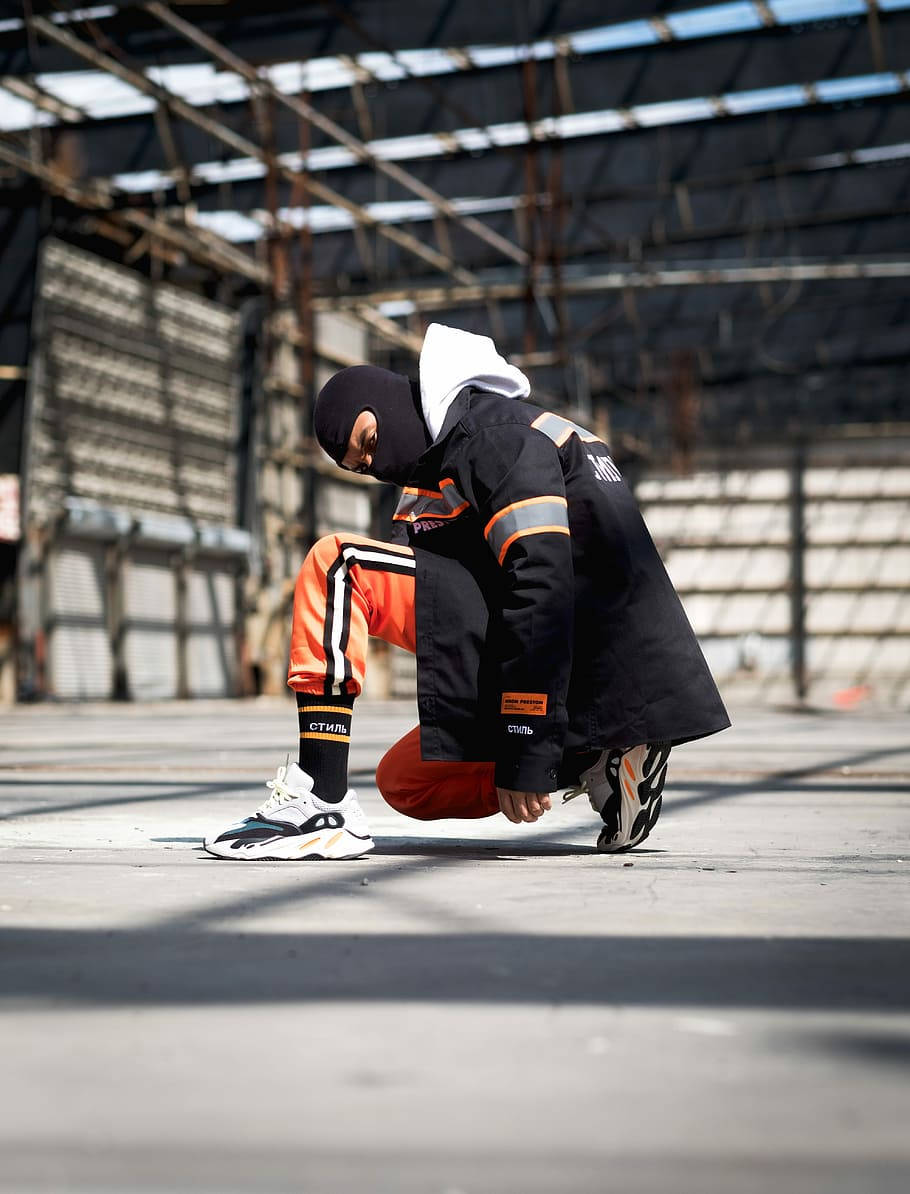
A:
{"points": [[350, 588]]}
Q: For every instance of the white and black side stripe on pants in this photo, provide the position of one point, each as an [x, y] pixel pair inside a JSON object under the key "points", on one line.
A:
{"points": [[337, 629]]}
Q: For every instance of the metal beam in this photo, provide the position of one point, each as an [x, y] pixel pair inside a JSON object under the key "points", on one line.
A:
{"points": [[199, 244], [243, 145], [336, 132], [428, 298], [426, 83], [30, 92]]}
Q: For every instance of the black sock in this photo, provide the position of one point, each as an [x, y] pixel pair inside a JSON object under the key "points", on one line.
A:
{"points": [[325, 735]]}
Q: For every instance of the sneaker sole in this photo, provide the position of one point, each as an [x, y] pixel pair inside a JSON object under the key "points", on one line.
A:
{"points": [[335, 845], [638, 817]]}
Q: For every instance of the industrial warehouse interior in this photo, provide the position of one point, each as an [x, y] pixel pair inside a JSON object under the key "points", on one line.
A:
{"points": [[688, 226]]}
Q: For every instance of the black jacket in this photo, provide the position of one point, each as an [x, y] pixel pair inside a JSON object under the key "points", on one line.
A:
{"points": [[546, 622]]}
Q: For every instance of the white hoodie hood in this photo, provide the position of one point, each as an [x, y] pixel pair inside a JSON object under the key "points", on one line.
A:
{"points": [[451, 359]]}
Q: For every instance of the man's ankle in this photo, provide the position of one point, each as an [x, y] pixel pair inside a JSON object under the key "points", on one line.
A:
{"points": [[325, 735]]}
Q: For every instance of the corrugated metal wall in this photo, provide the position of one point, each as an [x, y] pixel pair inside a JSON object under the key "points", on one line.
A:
{"points": [[728, 542], [131, 550]]}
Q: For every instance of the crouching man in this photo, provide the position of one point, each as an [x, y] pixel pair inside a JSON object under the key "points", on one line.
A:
{"points": [[552, 650]]}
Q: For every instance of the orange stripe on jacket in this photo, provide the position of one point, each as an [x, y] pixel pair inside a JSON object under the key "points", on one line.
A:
{"points": [[431, 493], [529, 531], [534, 501], [432, 514]]}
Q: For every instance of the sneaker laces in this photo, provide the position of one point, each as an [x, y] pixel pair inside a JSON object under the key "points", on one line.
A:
{"points": [[281, 793], [580, 790]]}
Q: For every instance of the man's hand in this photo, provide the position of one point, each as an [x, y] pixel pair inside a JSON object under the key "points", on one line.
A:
{"points": [[522, 806]]}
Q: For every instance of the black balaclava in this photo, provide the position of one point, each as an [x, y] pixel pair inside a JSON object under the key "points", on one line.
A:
{"points": [[394, 399]]}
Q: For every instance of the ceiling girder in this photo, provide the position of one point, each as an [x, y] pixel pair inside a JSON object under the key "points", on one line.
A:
{"points": [[335, 132], [428, 298], [243, 145], [202, 246]]}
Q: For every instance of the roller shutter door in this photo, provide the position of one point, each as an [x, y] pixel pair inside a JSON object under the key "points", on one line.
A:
{"points": [[80, 664], [211, 617], [150, 625]]}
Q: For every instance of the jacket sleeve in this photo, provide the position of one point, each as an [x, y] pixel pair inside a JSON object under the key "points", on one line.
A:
{"points": [[512, 476]]}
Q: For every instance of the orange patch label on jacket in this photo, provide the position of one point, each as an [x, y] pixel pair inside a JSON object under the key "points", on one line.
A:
{"points": [[531, 704]]}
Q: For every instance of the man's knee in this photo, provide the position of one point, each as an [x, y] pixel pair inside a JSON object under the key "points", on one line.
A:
{"points": [[322, 554]]}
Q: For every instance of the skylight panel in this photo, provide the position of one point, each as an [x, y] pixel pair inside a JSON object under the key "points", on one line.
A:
{"points": [[626, 36], [326, 219], [673, 112], [317, 219], [543, 51], [487, 57], [230, 225], [859, 87], [330, 157], [140, 182], [793, 12], [427, 62], [96, 92], [383, 66], [480, 206], [765, 99], [589, 124], [883, 153], [235, 170], [102, 95], [399, 149], [576, 124], [404, 209], [97, 12], [200, 83], [714, 21], [515, 133], [397, 308], [16, 113], [239, 227], [473, 140], [319, 74]]}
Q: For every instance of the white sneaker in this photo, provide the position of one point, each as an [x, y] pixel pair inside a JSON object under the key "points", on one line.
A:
{"points": [[295, 824], [625, 787]]}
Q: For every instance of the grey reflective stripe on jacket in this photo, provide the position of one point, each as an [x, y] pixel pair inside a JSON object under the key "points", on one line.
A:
{"points": [[558, 429], [447, 502], [533, 516]]}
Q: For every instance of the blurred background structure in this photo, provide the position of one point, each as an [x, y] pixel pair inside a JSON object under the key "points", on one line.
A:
{"points": [[687, 223]]}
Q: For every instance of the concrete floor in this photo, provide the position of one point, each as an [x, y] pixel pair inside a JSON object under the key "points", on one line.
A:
{"points": [[476, 1007]]}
